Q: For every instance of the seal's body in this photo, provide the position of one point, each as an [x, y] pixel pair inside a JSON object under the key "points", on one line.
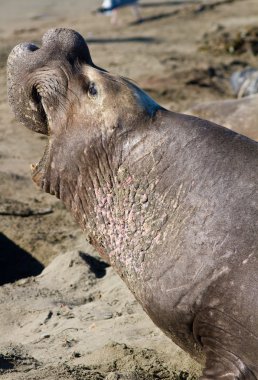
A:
{"points": [[170, 200]]}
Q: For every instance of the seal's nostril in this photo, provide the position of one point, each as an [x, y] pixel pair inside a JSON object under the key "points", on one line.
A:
{"points": [[31, 47], [25, 48]]}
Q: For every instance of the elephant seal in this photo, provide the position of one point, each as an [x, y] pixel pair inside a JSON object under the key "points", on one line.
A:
{"points": [[240, 115], [245, 82], [169, 199]]}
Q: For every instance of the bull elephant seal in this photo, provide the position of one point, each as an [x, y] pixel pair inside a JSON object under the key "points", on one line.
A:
{"points": [[171, 200], [240, 115]]}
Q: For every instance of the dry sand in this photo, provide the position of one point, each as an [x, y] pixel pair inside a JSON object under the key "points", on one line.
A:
{"points": [[77, 320]]}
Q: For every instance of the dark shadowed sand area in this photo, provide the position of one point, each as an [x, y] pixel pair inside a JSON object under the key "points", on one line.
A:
{"points": [[64, 314]]}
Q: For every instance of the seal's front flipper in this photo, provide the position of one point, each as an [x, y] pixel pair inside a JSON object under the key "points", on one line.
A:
{"points": [[224, 341]]}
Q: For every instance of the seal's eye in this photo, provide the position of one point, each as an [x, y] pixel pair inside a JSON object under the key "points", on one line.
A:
{"points": [[92, 90]]}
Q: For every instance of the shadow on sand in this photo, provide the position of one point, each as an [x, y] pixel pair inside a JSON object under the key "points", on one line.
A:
{"points": [[15, 263], [120, 40], [98, 267], [157, 17], [168, 3]]}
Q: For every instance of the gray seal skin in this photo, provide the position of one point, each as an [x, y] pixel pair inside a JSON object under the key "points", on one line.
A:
{"points": [[169, 200]]}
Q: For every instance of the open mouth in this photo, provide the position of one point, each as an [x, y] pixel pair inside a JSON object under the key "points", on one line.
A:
{"points": [[37, 103]]}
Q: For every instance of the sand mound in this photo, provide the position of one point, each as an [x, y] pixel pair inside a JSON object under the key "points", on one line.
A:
{"points": [[77, 320]]}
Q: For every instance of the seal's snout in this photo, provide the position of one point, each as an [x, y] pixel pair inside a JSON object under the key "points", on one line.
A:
{"points": [[21, 50], [36, 74], [58, 44], [22, 55], [67, 42]]}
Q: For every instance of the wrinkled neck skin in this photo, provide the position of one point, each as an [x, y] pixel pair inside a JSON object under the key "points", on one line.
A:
{"points": [[103, 181]]}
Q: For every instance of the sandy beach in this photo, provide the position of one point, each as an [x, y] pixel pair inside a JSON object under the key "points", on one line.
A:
{"points": [[64, 313]]}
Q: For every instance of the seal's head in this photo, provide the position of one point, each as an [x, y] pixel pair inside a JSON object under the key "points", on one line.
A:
{"points": [[57, 90]]}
